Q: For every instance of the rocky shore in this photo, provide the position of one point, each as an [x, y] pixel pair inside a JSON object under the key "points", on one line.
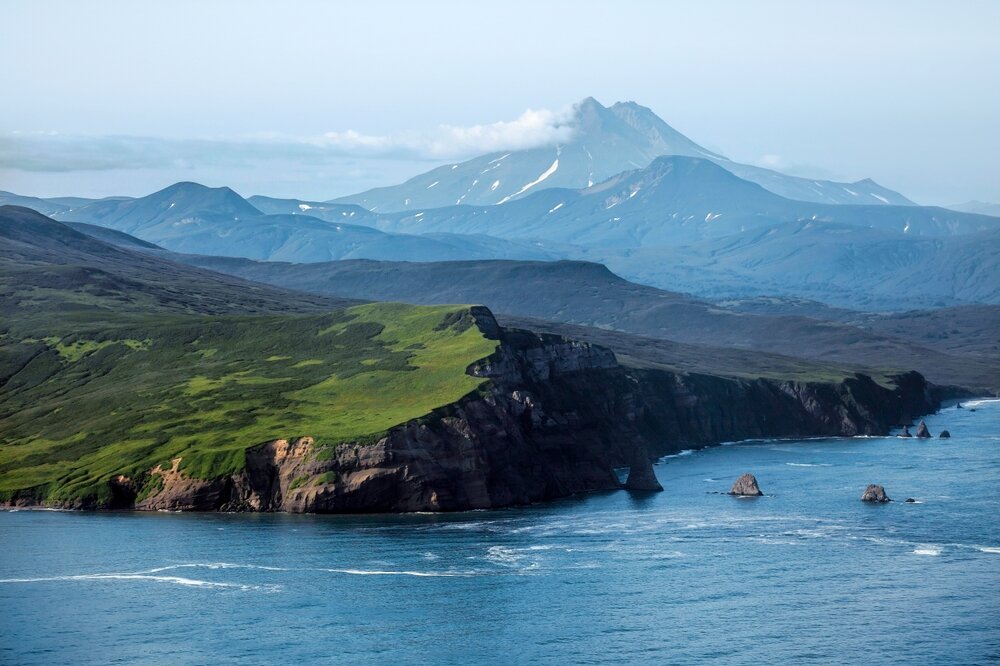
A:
{"points": [[556, 417]]}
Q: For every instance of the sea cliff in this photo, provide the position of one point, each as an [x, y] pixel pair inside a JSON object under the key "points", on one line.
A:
{"points": [[556, 417]]}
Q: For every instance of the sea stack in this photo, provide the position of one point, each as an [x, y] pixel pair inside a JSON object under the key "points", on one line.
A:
{"points": [[875, 493], [906, 432], [944, 434], [922, 431], [641, 475], [746, 486]]}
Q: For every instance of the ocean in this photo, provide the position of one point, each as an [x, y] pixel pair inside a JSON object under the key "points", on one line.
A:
{"points": [[805, 574]]}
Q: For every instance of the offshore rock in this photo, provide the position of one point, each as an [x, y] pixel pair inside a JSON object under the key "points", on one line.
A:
{"points": [[875, 493], [922, 431], [944, 434], [906, 432], [746, 486], [641, 475]]}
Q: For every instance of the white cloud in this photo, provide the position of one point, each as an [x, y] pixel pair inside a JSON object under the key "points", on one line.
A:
{"points": [[51, 151], [531, 129]]}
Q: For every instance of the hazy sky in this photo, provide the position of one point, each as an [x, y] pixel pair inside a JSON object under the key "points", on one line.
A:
{"points": [[319, 99]]}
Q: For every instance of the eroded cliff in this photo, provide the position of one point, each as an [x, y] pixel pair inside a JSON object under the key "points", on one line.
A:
{"points": [[555, 417]]}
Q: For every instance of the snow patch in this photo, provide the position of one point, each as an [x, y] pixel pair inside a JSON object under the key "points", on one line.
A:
{"points": [[433, 184], [495, 185], [556, 207], [880, 198], [548, 172], [303, 207]]}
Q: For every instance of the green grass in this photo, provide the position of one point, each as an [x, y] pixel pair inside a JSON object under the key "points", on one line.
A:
{"points": [[82, 407]]}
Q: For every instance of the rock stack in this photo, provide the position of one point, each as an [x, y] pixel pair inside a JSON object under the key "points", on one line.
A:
{"points": [[746, 486], [944, 434], [906, 432], [875, 493], [641, 475], [922, 431]]}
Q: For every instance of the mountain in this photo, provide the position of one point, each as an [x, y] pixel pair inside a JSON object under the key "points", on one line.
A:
{"points": [[980, 207], [606, 141], [682, 224], [841, 265], [189, 217], [673, 201]]}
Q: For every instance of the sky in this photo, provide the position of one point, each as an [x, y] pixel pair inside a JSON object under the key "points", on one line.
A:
{"points": [[321, 99]]}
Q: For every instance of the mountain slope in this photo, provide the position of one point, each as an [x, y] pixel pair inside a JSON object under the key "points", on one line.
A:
{"points": [[590, 295], [188, 217], [842, 265], [48, 268], [979, 207], [673, 201], [606, 142]]}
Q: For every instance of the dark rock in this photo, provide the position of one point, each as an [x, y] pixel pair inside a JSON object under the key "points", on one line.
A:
{"points": [[910, 500], [746, 486], [906, 432], [641, 475], [944, 434], [875, 493], [922, 431]]}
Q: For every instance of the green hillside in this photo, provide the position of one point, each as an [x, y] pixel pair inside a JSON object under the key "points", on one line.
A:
{"points": [[112, 362], [91, 405]]}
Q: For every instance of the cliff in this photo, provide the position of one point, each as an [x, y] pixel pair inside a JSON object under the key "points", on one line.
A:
{"points": [[555, 418]]}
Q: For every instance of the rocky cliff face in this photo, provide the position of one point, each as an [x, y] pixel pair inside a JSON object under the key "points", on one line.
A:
{"points": [[554, 417]]}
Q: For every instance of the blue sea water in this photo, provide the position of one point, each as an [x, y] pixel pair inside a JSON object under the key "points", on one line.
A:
{"points": [[806, 574]]}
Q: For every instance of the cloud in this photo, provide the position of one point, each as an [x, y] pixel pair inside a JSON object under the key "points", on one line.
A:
{"points": [[55, 152]]}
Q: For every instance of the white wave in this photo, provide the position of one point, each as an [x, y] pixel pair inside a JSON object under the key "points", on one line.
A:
{"points": [[980, 402], [177, 580], [989, 549], [927, 550], [809, 464], [685, 452], [418, 574], [213, 565]]}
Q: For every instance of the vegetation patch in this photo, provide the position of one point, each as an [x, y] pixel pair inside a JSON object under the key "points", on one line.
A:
{"points": [[80, 408]]}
